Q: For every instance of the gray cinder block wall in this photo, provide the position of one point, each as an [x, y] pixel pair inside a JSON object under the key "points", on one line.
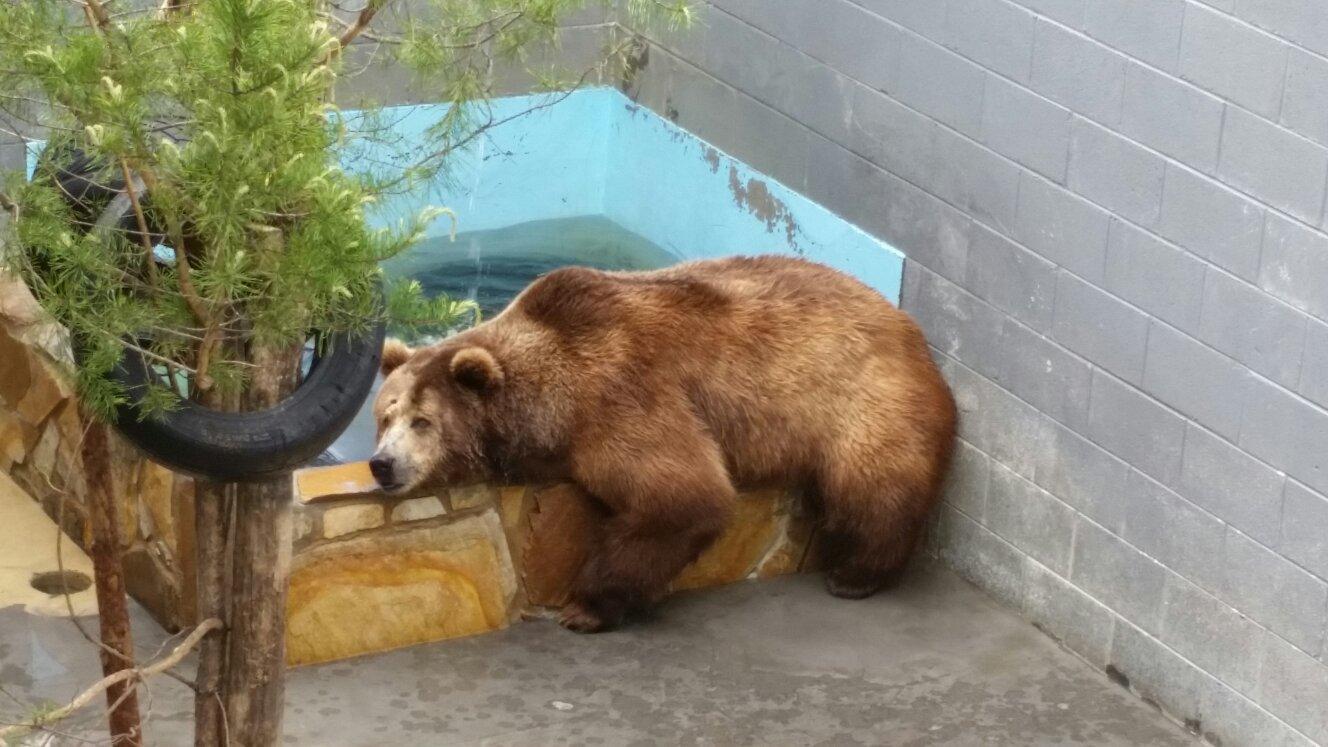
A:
{"points": [[1113, 212]]}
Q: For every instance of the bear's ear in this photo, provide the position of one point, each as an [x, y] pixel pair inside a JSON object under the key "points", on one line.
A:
{"points": [[476, 368], [395, 353]]}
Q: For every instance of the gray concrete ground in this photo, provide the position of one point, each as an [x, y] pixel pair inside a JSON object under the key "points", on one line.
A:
{"points": [[935, 662]]}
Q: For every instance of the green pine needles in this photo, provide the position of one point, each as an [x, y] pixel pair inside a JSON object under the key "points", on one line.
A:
{"points": [[221, 116]]}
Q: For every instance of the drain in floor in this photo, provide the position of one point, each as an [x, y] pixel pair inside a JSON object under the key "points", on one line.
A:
{"points": [[60, 582]]}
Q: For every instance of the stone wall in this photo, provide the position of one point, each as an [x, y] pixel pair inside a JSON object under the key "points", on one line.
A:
{"points": [[40, 433], [373, 572]]}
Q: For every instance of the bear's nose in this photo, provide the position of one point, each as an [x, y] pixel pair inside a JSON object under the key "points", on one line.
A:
{"points": [[381, 468]]}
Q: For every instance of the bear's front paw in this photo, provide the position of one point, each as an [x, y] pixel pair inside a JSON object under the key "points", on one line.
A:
{"points": [[577, 618]]}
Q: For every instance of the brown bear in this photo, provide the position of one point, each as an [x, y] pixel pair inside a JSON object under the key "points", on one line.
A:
{"points": [[656, 393]]}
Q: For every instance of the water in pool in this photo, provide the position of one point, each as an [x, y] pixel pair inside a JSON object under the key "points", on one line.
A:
{"points": [[491, 267]]}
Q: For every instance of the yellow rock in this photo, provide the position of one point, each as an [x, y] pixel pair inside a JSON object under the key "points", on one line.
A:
{"points": [[14, 372], [789, 549], [396, 589], [341, 520], [755, 524], [12, 448], [45, 391], [473, 496], [418, 509], [317, 484], [156, 486]]}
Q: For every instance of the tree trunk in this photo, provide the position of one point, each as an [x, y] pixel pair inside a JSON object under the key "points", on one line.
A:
{"points": [[213, 507], [112, 604], [244, 559]]}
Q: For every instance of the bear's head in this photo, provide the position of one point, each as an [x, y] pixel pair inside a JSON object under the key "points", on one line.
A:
{"points": [[431, 414]]}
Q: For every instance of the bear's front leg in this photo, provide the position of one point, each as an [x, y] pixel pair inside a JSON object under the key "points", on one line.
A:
{"points": [[665, 510], [638, 555]]}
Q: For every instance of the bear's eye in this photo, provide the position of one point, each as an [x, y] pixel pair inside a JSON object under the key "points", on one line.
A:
{"points": [[420, 424]]}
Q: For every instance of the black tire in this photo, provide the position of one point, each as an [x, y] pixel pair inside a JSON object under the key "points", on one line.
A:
{"points": [[247, 446], [222, 446]]}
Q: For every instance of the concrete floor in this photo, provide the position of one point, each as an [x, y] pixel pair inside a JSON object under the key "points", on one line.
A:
{"points": [[773, 663]]}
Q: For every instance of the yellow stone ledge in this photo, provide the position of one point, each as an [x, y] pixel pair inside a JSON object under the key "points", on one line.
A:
{"points": [[374, 572]]}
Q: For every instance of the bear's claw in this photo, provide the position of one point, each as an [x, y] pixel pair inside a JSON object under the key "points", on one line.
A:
{"points": [[578, 619]]}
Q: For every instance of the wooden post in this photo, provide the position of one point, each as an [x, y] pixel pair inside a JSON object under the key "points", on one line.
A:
{"points": [[255, 679], [112, 605], [244, 559]]}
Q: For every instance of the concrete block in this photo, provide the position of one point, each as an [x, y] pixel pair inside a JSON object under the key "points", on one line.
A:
{"points": [[1100, 327], [992, 33], [839, 33], [786, 78], [927, 19], [926, 229], [1006, 428], [1294, 687], [1191, 377], [1229, 58], [1305, 528], [1173, 531], [966, 485], [956, 322], [1026, 127], [1295, 265], [1305, 101], [1042, 373], [940, 84], [1031, 519], [1157, 673], [974, 179], [1287, 432], [1067, 614], [1159, 278], [725, 117], [1273, 164], [1068, 12], [1010, 355], [1119, 576], [1232, 485], [1115, 173], [1061, 227], [1011, 278], [1208, 632], [1245, 323], [1211, 708], [1136, 428], [1212, 221], [1314, 368], [1274, 592], [1171, 116], [890, 134], [1146, 29], [1077, 73], [1084, 475], [1304, 22], [1231, 718], [980, 556]]}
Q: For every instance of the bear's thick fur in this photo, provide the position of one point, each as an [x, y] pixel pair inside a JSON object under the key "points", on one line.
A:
{"points": [[657, 392]]}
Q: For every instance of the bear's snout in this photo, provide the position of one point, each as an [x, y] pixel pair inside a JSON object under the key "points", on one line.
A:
{"points": [[381, 467]]}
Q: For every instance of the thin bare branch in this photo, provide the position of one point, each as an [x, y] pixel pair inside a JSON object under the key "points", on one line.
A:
{"points": [[134, 675]]}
